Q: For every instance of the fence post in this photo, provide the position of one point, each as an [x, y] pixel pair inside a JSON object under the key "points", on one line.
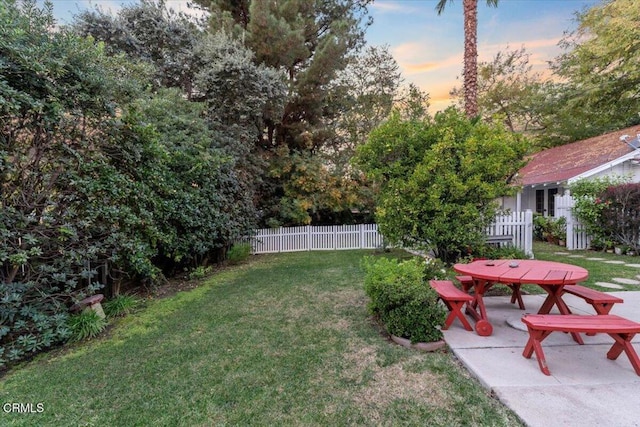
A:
{"points": [[570, 239], [528, 232]]}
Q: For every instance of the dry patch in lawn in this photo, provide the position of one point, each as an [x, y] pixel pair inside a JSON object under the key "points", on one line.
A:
{"points": [[392, 382], [374, 388]]}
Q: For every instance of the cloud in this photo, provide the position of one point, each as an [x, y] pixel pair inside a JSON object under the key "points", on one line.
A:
{"points": [[393, 7], [421, 68], [416, 58]]}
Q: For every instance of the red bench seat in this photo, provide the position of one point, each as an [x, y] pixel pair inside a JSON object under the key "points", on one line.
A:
{"points": [[620, 329], [601, 302], [454, 299]]}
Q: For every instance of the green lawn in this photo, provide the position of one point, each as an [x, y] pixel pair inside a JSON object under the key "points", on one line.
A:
{"points": [[281, 340], [599, 271]]}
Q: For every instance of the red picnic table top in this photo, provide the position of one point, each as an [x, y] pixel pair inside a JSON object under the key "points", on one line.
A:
{"points": [[524, 271], [549, 275]]}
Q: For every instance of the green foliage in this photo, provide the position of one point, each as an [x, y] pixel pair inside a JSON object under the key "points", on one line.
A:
{"points": [[601, 66], [100, 183], [334, 95], [400, 296], [498, 252], [549, 229], [202, 201], [620, 215], [28, 323], [120, 305], [238, 252], [57, 99], [595, 89], [439, 179], [588, 207], [507, 89], [151, 33], [86, 324], [199, 272]]}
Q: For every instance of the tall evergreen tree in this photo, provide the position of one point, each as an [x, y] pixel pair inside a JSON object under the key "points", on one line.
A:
{"points": [[312, 42]]}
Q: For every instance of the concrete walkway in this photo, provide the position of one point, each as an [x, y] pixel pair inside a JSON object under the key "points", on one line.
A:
{"points": [[584, 389]]}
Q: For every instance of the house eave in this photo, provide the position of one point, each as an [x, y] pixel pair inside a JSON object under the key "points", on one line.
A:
{"points": [[602, 168], [546, 184]]}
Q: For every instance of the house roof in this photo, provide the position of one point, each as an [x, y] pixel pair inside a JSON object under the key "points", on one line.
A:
{"points": [[564, 162]]}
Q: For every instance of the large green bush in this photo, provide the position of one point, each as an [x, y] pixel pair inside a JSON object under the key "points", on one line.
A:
{"points": [[439, 179], [589, 206], [102, 183], [400, 296]]}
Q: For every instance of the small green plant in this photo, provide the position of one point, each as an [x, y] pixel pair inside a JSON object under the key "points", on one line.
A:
{"points": [[238, 253], [87, 324], [400, 296], [434, 269], [199, 272], [550, 229], [120, 305]]}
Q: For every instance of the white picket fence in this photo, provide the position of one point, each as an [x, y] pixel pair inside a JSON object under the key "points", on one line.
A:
{"points": [[518, 225], [316, 238], [577, 238]]}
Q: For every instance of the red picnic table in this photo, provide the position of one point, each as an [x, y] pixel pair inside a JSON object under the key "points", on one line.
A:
{"points": [[549, 275]]}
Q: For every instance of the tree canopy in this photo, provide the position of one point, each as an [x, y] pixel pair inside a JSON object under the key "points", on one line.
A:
{"points": [[601, 66], [594, 88], [439, 179]]}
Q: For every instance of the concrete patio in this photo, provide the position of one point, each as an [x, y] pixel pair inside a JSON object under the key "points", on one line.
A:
{"points": [[584, 389]]}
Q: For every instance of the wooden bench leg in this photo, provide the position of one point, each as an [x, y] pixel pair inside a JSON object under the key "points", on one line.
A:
{"points": [[455, 311], [466, 282], [600, 308], [516, 295], [554, 298], [623, 343], [534, 344]]}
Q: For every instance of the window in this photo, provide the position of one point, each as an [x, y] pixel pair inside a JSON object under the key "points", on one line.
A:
{"points": [[551, 202], [540, 202]]}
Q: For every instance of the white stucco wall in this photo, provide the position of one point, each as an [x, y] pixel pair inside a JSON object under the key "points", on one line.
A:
{"points": [[528, 194], [623, 169]]}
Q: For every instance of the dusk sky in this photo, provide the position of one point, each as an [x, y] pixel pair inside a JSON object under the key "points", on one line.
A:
{"points": [[429, 48]]}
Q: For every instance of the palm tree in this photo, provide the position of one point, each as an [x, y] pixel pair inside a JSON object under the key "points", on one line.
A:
{"points": [[470, 52]]}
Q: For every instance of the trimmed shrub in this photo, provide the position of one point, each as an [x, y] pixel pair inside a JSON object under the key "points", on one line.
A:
{"points": [[238, 253], [401, 298]]}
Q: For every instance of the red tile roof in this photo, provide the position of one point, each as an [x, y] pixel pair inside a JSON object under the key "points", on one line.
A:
{"points": [[561, 163]]}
